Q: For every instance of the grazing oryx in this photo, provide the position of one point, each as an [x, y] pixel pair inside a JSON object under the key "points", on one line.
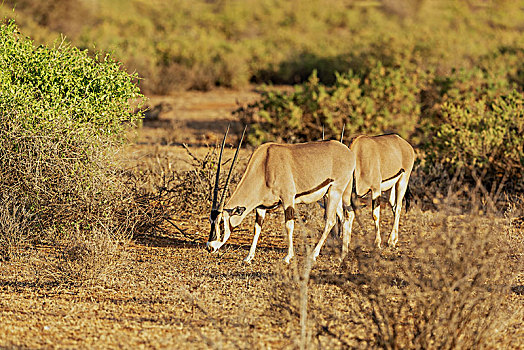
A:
{"points": [[383, 162], [286, 174]]}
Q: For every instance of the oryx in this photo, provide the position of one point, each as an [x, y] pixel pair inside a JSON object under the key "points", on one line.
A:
{"points": [[383, 162], [286, 174]]}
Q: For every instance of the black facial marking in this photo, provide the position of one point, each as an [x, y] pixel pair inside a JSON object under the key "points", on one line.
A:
{"points": [[238, 211], [212, 234], [289, 213], [269, 207], [235, 211], [212, 217], [214, 214]]}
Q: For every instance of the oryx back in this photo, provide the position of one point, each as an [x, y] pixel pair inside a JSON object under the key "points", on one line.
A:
{"points": [[277, 172], [308, 168]]}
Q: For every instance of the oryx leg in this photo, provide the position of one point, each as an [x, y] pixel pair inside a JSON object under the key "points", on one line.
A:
{"points": [[400, 188], [341, 220], [349, 216], [289, 214], [393, 198], [375, 204], [348, 213], [331, 211], [260, 215]]}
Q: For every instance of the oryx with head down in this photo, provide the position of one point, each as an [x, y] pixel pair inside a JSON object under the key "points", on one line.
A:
{"points": [[286, 174], [383, 162]]}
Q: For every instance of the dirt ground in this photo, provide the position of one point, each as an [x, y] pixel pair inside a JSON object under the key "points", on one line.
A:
{"points": [[172, 293], [197, 119]]}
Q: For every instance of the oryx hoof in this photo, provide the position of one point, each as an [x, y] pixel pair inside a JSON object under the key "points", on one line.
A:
{"points": [[315, 255], [288, 258]]}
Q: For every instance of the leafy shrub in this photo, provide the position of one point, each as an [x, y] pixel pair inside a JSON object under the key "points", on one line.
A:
{"points": [[477, 125], [486, 136], [386, 99], [61, 114], [469, 119], [202, 44]]}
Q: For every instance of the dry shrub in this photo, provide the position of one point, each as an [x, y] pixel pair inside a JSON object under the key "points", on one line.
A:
{"points": [[14, 228], [450, 287], [161, 192], [152, 192], [63, 16], [405, 9], [85, 258], [186, 191], [514, 215], [63, 115], [195, 186], [292, 287], [446, 293]]}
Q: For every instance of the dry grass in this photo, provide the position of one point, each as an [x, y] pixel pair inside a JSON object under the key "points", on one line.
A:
{"points": [[14, 228], [169, 293], [86, 258]]}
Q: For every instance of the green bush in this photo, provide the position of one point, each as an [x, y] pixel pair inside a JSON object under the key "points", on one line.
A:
{"points": [[469, 119], [385, 99], [201, 43], [61, 113], [484, 136]]}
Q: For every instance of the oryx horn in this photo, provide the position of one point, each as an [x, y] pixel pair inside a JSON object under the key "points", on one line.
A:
{"points": [[217, 178], [223, 198], [342, 134]]}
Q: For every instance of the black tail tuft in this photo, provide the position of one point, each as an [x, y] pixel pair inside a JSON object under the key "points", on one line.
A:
{"points": [[408, 196]]}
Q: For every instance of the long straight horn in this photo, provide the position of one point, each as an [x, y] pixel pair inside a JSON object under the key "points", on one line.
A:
{"points": [[217, 178], [342, 134], [322, 132], [223, 198]]}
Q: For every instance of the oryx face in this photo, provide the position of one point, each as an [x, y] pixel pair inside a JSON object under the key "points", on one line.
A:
{"points": [[213, 242], [219, 217], [221, 222]]}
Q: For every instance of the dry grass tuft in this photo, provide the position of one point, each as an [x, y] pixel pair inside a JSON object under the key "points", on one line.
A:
{"points": [[445, 294], [84, 259], [14, 228]]}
